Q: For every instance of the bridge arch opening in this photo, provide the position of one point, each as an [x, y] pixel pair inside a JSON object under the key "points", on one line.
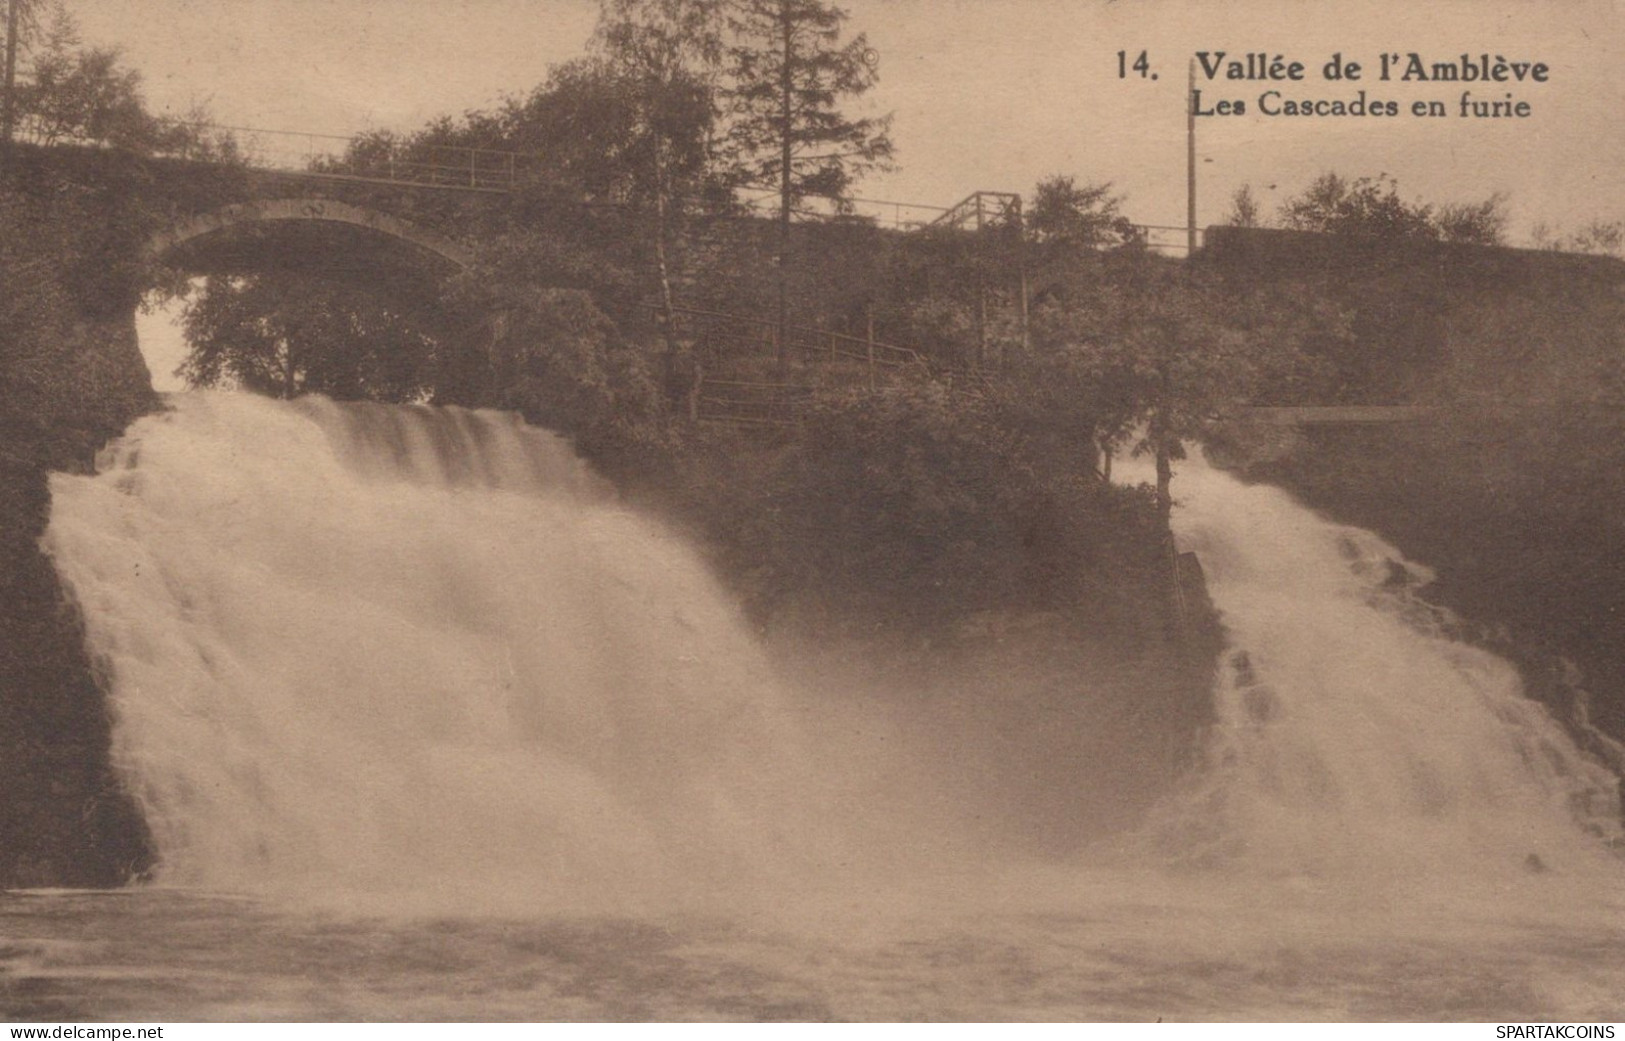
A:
{"points": [[264, 212], [308, 264]]}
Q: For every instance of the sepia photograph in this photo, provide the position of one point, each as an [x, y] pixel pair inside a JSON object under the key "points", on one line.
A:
{"points": [[806, 511]]}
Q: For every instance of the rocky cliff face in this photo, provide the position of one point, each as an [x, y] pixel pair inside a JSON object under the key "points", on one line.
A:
{"points": [[71, 377], [64, 820]]}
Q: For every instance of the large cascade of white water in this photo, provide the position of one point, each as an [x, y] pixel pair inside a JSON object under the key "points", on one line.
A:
{"points": [[424, 655], [376, 649], [1355, 732]]}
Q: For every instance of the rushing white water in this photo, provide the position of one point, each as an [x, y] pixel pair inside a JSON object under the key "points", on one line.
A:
{"points": [[424, 655], [402, 660], [1356, 736], [419, 652]]}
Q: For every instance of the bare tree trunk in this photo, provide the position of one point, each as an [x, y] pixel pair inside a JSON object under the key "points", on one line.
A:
{"points": [[287, 372], [662, 267], [786, 154], [1165, 499], [8, 105], [1163, 442], [667, 304], [1022, 286], [981, 316], [670, 364], [1175, 621]]}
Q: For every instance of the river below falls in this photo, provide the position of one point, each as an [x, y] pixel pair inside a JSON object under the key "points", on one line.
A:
{"points": [[427, 726], [1295, 952]]}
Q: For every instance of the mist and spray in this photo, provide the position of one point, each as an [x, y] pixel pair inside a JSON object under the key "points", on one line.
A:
{"points": [[364, 649], [425, 655], [1357, 732]]}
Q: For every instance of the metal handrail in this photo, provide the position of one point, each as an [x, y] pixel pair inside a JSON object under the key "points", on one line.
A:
{"points": [[301, 153], [981, 209], [827, 340], [297, 152]]}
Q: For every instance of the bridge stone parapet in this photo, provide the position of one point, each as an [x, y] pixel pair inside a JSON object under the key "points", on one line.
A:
{"points": [[263, 211]]}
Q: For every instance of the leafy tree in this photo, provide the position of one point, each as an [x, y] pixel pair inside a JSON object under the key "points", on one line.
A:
{"points": [[75, 94], [1065, 216], [1067, 225], [554, 356], [287, 334], [909, 507], [788, 74], [1158, 351], [954, 293], [23, 29], [563, 364], [1372, 207], [631, 125], [633, 120], [671, 37], [1481, 223], [663, 56], [1244, 209], [438, 153], [1333, 205], [604, 130], [1603, 237], [85, 96]]}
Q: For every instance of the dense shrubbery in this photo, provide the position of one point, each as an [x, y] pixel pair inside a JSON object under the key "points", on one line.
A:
{"points": [[70, 277], [562, 364], [1371, 207], [911, 507], [288, 333]]}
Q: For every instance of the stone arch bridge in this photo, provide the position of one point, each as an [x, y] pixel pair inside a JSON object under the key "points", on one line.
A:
{"points": [[164, 218], [187, 231]]}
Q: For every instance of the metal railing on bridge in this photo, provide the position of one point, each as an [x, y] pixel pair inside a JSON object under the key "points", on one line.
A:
{"points": [[1167, 239], [813, 358], [736, 335], [360, 158], [981, 210], [811, 353], [885, 213], [750, 402], [382, 158]]}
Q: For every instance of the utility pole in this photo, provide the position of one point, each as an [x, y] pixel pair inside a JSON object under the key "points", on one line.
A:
{"points": [[1021, 273], [1190, 163], [786, 157]]}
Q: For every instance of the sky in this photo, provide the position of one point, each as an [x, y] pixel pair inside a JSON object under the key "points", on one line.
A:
{"points": [[989, 94]]}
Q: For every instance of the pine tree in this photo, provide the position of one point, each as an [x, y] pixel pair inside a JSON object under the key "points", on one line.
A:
{"points": [[789, 72]]}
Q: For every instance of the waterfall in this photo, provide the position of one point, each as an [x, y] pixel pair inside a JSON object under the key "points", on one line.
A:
{"points": [[425, 655], [364, 649], [1358, 733]]}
